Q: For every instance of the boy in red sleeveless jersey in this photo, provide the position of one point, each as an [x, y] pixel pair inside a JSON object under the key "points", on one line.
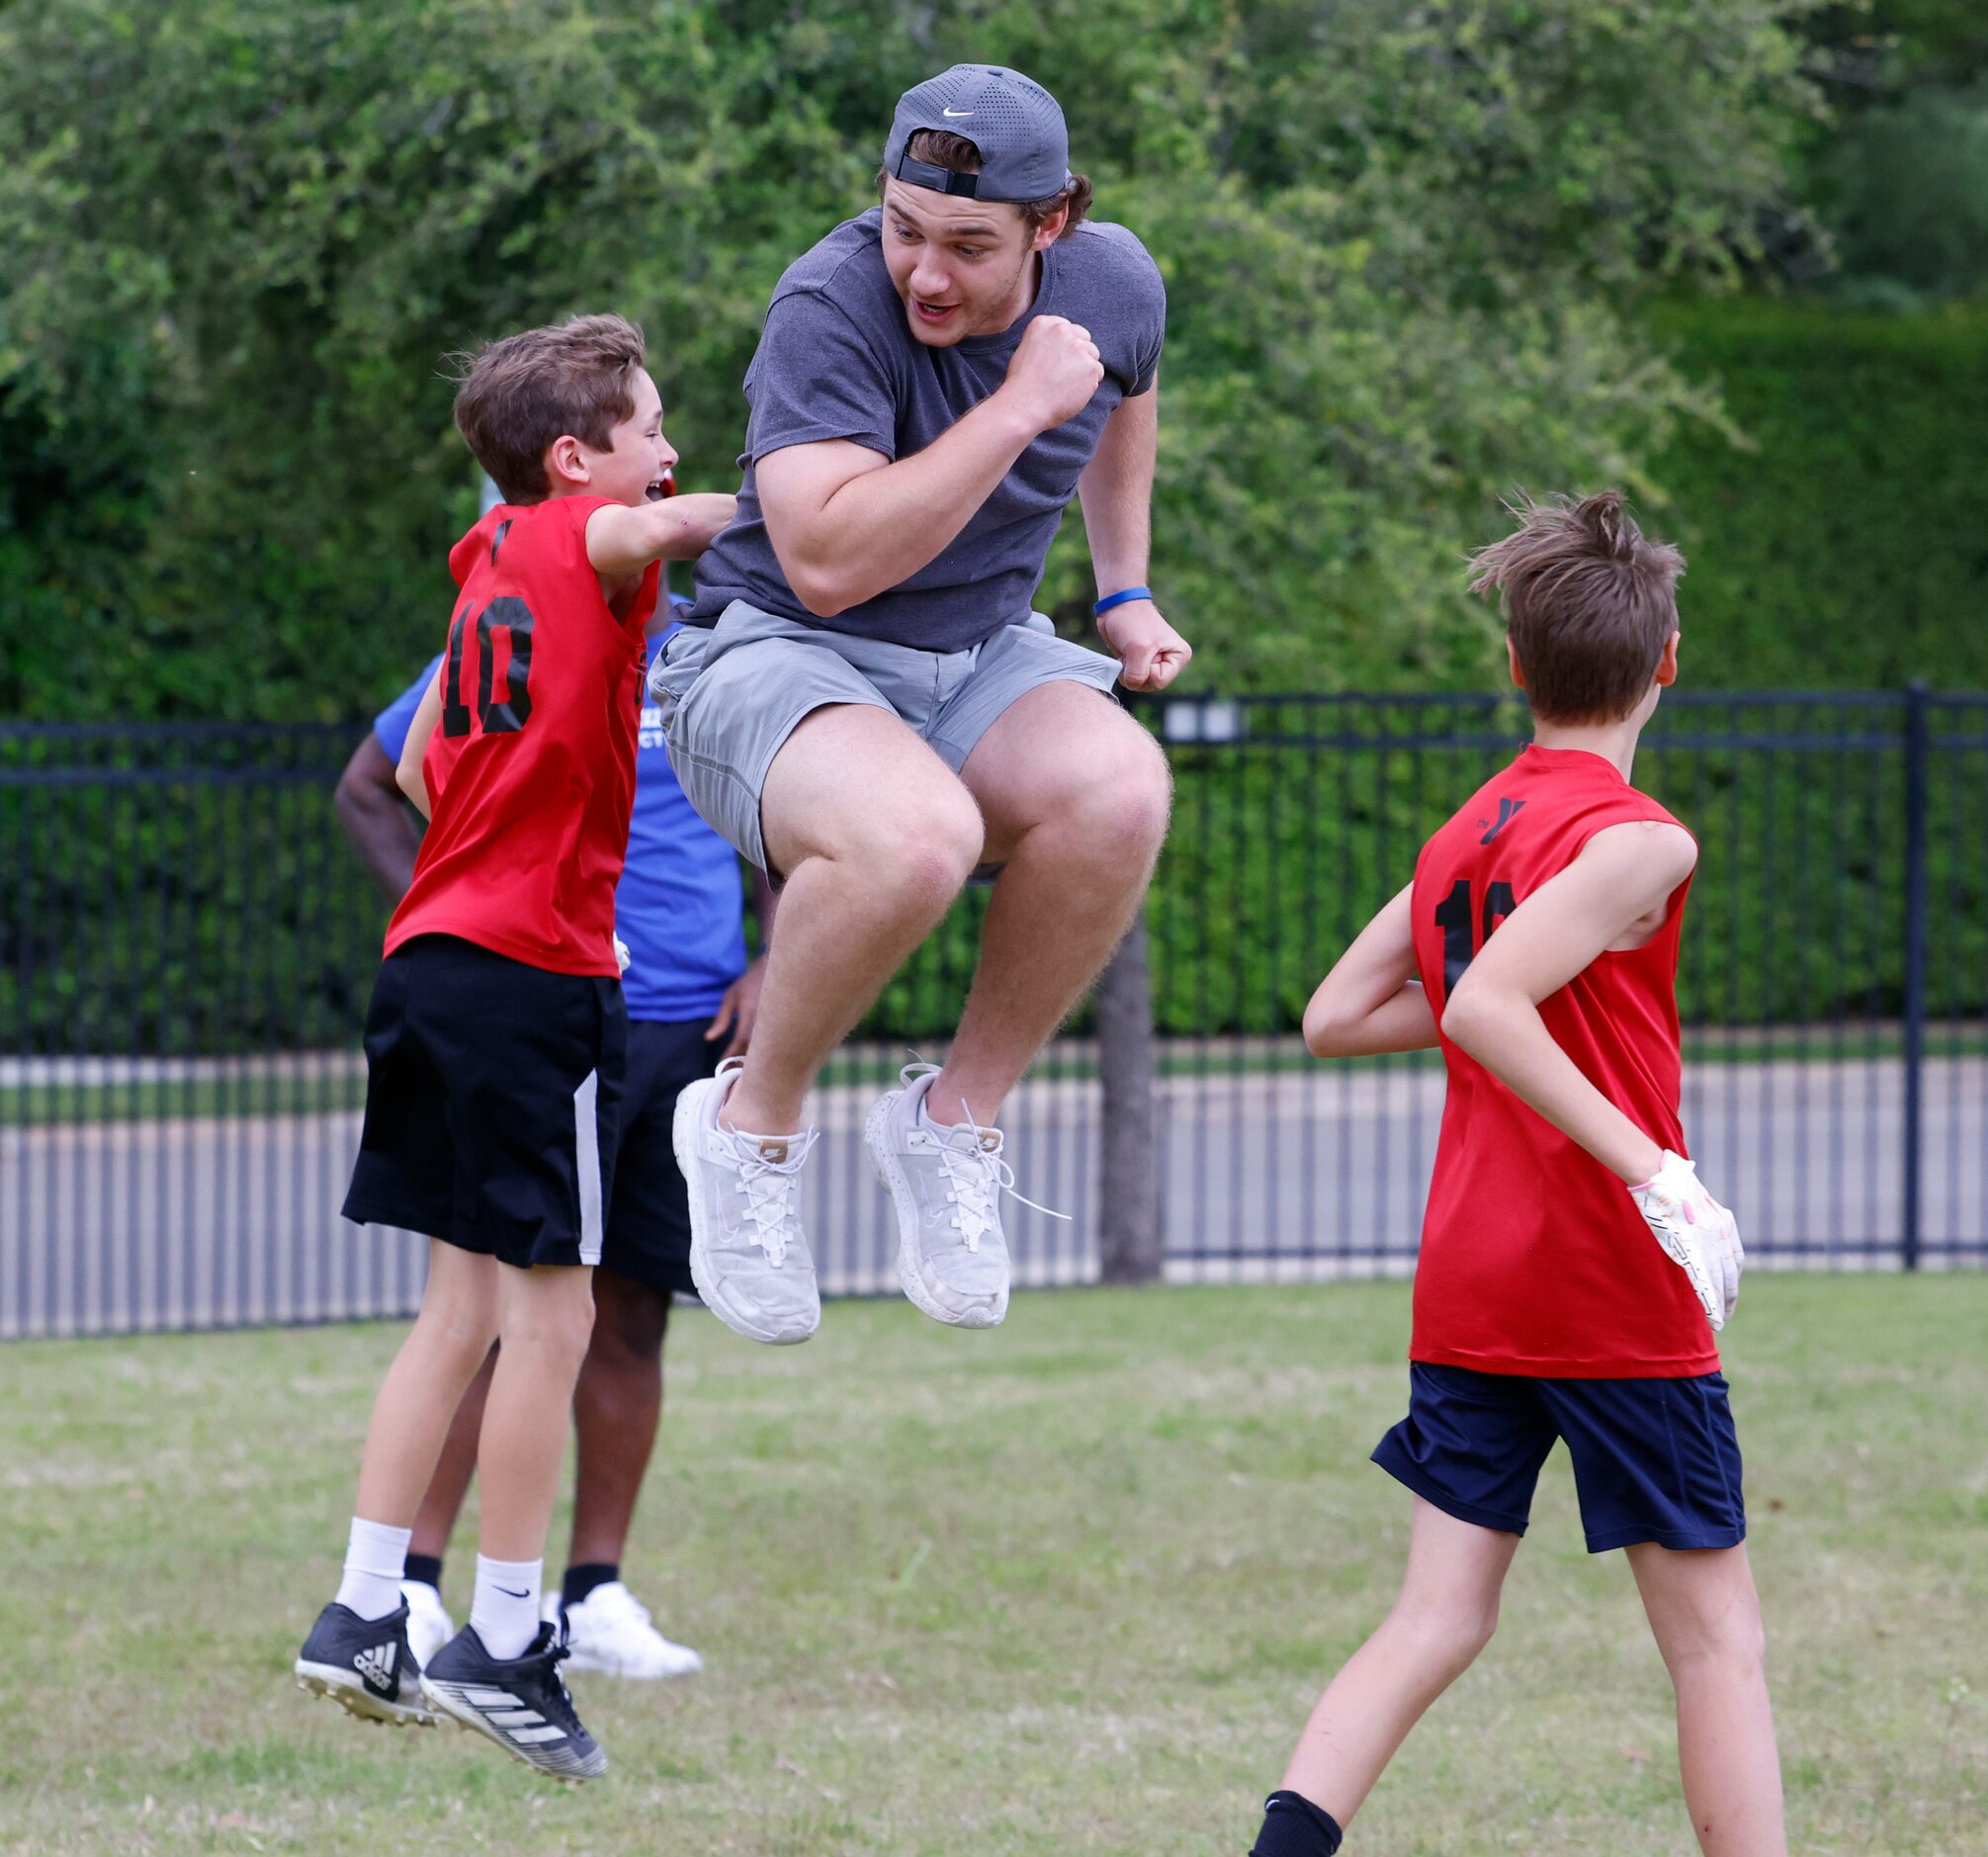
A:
{"points": [[496, 1035], [1572, 1268]]}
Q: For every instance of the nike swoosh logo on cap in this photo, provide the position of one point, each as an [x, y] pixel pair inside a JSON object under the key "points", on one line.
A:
{"points": [[956, 113]]}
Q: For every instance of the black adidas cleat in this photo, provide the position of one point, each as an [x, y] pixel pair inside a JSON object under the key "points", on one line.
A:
{"points": [[364, 1666], [519, 1703]]}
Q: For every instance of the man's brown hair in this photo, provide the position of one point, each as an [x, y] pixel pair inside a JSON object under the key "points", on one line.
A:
{"points": [[1589, 602], [957, 155], [520, 394]]}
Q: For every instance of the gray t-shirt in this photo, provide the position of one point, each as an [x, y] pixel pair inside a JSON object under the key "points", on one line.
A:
{"points": [[838, 361]]}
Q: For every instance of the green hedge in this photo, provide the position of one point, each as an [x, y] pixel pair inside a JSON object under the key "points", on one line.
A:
{"points": [[1843, 542]]}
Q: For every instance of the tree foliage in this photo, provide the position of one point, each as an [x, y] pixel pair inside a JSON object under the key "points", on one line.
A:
{"points": [[1897, 185], [1404, 241]]}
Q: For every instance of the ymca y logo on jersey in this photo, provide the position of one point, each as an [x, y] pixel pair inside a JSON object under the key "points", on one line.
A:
{"points": [[1508, 810]]}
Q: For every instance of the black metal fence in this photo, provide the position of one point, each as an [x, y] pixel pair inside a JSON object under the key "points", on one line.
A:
{"points": [[187, 944]]}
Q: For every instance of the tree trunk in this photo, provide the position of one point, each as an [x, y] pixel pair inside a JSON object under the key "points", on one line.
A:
{"points": [[1129, 1234]]}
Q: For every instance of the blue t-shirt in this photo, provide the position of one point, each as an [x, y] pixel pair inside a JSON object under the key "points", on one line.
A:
{"points": [[390, 726], [680, 906]]}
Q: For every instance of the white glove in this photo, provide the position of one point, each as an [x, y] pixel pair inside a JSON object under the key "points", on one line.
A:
{"points": [[1697, 1230], [621, 953]]}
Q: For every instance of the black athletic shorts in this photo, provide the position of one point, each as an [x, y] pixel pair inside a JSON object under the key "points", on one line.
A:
{"points": [[492, 1100], [648, 1217]]}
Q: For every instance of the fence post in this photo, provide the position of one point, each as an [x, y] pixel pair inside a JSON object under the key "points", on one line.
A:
{"points": [[1129, 1235], [1918, 741]]}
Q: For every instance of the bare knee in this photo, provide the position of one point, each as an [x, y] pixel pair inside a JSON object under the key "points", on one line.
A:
{"points": [[630, 1320], [924, 852], [558, 1335], [1141, 801], [1136, 799], [1703, 1609], [1732, 1642], [1450, 1633], [457, 1343], [855, 787], [1121, 798], [458, 1308], [461, 1328], [548, 1313]]}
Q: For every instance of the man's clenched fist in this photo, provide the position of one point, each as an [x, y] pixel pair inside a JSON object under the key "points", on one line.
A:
{"points": [[1055, 371], [1150, 653]]}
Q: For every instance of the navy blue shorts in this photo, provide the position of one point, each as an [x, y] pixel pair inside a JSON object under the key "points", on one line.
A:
{"points": [[1654, 1459], [648, 1212]]}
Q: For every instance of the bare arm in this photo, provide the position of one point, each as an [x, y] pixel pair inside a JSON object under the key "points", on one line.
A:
{"points": [[848, 524], [1115, 492], [1371, 1001], [1613, 895], [622, 542], [1116, 495], [372, 810], [408, 774]]}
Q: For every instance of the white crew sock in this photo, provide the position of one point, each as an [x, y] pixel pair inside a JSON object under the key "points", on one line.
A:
{"points": [[376, 1555], [506, 1610]]}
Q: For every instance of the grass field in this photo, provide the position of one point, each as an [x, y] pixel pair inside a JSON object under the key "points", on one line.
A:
{"points": [[1067, 1587]]}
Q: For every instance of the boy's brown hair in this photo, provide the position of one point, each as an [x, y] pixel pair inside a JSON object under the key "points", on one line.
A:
{"points": [[1589, 602], [520, 394], [955, 153]]}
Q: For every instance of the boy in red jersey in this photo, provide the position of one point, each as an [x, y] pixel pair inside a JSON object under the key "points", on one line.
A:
{"points": [[1572, 1267], [496, 1035]]}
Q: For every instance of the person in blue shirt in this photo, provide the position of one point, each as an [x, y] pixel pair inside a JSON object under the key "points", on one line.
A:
{"points": [[691, 998]]}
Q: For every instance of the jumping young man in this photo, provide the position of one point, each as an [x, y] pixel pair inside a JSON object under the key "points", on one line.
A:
{"points": [[691, 998], [1573, 1270], [494, 1041], [865, 705]]}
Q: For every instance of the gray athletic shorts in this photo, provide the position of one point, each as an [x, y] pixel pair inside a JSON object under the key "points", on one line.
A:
{"points": [[732, 694]]}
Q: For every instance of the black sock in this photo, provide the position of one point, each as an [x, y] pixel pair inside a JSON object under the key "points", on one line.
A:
{"points": [[581, 1580], [427, 1568], [1295, 1827]]}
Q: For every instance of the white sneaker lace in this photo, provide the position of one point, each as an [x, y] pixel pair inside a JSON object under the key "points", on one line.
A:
{"points": [[769, 1186], [975, 1175]]}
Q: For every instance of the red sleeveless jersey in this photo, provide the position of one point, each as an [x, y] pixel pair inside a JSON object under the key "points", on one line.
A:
{"points": [[1534, 1259], [532, 767]]}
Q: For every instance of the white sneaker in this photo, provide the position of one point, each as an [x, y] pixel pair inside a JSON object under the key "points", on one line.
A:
{"points": [[748, 1256], [944, 1182], [429, 1625], [610, 1633]]}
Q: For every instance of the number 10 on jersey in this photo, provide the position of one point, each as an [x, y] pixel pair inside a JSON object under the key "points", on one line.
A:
{"points": [[1457, 915], [495, 715]]}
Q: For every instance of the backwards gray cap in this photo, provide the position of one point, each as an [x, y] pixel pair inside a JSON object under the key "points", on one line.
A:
{"points": [[1015, 124]]}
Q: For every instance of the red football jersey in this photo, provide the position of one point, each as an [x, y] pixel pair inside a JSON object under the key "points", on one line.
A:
{"points": [[532, 767], [1534, 1259]]}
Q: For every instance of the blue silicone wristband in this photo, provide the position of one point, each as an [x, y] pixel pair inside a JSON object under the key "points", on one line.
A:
{"points": [[1110, 600]]}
